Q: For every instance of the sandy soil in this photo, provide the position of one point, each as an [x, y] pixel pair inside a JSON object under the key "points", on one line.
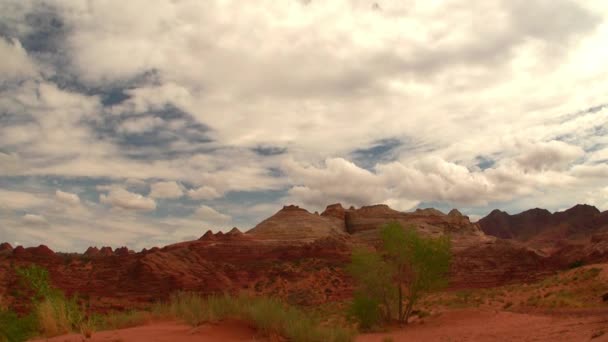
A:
{"points": [[452, 326], [487, 325], [170, 332]]}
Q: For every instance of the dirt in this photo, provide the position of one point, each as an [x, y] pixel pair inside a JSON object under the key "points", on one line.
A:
{"points": [[484, 325], [169, 332], [453, 326]]}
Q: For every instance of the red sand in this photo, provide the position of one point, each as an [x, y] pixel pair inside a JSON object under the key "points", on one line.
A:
{"points": [[458, 325], [486, 325], [169, 332]]}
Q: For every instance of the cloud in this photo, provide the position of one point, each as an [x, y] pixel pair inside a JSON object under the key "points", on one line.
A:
{"points": [[67, 197], [19, 200], [16, 65], [211, 215], [548, 155], [121, 198], [410, 105], [34, 219], [140, 125], [204, 193], [166, 190]]}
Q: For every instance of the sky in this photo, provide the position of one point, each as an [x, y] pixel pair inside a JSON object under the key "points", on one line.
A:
{"points": [[138, 123]]}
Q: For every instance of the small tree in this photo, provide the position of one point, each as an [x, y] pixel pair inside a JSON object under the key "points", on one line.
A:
{"points": [[406, 267]]}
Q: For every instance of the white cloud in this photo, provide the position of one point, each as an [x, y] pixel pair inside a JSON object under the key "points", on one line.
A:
{"points": [[15, 62], [19, 200], [121, 198], [211, 215], [34, 219], [204, 193], [140, 125], [335, 78], [548, 155], [67, 197], [166, 190]]}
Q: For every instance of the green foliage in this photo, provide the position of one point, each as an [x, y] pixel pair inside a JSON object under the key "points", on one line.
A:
{"points": [[52, 313], [14, 328], [366, 310], [269, 315], [407, 266], [36, 278]]}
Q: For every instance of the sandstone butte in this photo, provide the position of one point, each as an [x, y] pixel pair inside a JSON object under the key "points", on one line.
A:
{"points": [[300, 256]]}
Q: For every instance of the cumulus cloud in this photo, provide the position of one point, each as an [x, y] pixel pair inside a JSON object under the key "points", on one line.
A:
{"points": [[67, 197], [140, 125], [19, 200], [15, 62], [121, 198], [211, 215], [364, 106], [34, 219], [204, 193], [166, 190], [548, 155]]}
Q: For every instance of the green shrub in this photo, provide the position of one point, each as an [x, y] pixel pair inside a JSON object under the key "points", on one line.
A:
{"points": [[269, 315], [14, 328], [365, 310]]}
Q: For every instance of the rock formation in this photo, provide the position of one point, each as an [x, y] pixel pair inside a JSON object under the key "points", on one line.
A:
{"points": [[92, 251], [301, 256], [6, 247], [106, 251], [540, 228], [294, 223]]}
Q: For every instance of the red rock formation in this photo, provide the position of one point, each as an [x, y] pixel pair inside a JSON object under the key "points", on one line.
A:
{"points": [[122, 251], [293, 254], [542, 229], [295, 223], [19, 250], [234, 232], [208, 235], [106, 251], [6, 247], [40, 251], [92, 251]]}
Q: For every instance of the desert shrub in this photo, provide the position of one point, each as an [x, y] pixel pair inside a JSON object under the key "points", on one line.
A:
{"points": [[52, 313], [14, 328], [406, 267], [366, 310], [269, 315]]}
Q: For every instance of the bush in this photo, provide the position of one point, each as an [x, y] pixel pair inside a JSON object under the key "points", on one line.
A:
{"points": [[366, 310], [269, 315], [14, 328], [406, 267]]}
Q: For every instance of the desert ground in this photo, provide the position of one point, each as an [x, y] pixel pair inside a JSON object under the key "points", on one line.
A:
{"points": [[456, 325]]}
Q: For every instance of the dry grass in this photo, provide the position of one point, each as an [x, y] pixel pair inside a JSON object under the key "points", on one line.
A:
{"points": [[270, 316], [53, 318]]}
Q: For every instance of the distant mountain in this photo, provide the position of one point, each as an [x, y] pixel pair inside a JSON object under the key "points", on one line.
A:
{"points": [[541, 226]]}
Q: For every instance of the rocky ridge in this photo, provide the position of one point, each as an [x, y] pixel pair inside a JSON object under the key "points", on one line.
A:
{"points": [[294, 254]]}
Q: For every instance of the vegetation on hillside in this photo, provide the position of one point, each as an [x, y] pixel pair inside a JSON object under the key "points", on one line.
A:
{"points": [[53, 314]]}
